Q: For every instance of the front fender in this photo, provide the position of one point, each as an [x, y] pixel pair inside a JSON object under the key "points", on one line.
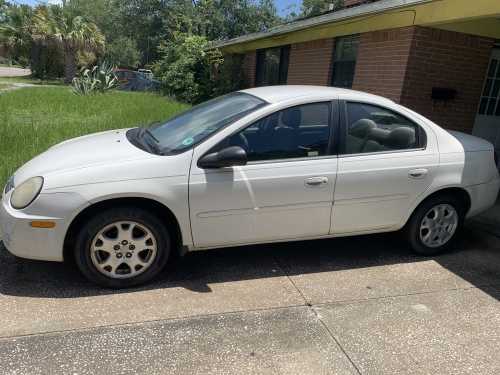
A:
{"points": [[171, 192]]}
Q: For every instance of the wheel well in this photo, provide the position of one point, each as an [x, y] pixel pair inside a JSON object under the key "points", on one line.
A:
{"points": [[461, 194], [151, 205]]}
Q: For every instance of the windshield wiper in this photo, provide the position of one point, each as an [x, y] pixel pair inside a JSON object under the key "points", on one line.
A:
{"points": [[155, 147], [148, 132]]}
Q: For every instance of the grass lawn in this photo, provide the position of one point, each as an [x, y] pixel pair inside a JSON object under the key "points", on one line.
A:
{"points": [[33, 119], [4, 65]]}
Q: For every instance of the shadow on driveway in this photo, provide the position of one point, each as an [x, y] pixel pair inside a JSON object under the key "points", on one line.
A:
{"points": [[475, 260]]}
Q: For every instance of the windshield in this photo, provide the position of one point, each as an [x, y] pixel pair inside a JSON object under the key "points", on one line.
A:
{"points": [[201, 121]]}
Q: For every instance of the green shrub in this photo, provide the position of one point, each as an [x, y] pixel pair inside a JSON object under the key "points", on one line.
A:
{"points": [[192, 71], [123, 52], [46, 59], [23, 61], [86, 58], [186, 68], [99, 79], [229, 77]]}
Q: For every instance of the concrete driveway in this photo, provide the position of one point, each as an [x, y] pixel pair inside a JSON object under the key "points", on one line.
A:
{"points": [[361, 305]]}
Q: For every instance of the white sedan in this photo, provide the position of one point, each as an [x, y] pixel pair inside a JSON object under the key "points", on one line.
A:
{"points": [[263, 165]]}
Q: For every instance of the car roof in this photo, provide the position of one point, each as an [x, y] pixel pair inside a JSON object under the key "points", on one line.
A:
{"points": [[277, 94]]}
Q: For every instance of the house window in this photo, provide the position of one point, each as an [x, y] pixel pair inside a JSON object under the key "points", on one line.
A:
{"points": [[490, 99], [272, 66], [344, 61]]}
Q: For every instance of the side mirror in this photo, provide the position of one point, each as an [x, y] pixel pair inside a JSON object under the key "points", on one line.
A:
{"points": [[227, 157]]}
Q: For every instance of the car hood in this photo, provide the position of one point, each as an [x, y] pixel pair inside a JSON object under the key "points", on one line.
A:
{"points": [[471, 143], [83, 152]]}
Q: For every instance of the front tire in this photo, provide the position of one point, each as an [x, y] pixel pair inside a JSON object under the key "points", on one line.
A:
{"points": [[435, 225], [122, 247]]}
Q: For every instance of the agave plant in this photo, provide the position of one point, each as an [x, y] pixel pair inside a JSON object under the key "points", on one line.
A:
{"points": [[99, 79]]}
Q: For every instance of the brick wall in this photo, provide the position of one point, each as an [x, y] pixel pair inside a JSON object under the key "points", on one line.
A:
{"points": [[382, 61], [404, 65], [310, 63], [249, 67], [446, 59]]}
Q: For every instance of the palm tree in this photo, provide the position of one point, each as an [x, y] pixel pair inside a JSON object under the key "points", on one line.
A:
{"points": [[15, 31], [74, 33]]}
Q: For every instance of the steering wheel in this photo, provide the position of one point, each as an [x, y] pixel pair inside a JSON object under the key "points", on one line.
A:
{"points": [[241, 141]]}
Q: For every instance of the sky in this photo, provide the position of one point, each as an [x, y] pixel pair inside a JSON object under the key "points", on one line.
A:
{"points": [[283, 6]]}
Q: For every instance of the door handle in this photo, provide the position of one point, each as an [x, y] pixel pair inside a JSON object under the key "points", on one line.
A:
{"points": [[316, 181], [418, 173]]}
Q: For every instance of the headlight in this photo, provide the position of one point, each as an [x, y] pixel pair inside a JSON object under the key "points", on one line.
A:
{"points": [[26, 193], [10, 185]]}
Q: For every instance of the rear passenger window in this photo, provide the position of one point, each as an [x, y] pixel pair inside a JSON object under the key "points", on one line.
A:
{"points": [[375, 129]]}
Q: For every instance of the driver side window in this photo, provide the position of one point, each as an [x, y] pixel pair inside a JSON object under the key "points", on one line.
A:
{"points": [[297, 132]]}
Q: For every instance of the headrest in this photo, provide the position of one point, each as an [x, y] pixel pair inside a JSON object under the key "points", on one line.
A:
{"points": [[361, 128], [400, 138], [292, 117], [378, 135]]}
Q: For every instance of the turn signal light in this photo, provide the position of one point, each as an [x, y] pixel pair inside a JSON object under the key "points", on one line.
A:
{"points": [[43, 224]]}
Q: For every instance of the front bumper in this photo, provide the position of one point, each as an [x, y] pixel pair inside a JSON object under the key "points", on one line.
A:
{"points": [[24, 241]]}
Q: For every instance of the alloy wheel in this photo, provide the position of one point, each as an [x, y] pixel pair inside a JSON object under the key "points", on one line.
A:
{"points": [[123, 249], [438, 225]]}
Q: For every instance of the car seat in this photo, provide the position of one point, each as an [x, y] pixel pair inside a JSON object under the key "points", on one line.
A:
{"points": [[285, 137]]}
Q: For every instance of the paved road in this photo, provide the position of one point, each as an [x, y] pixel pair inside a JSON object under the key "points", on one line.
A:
{"points": [[363, 305], [13, 72]]}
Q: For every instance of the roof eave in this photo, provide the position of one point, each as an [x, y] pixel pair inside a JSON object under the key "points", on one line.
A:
{"points": [[341, 15]]}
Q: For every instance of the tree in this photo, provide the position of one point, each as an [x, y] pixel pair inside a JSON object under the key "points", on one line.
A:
{"points": [[143, 21], [219, 19], [101, 12], [4, 6], [16, 31], [186, 68], [74, 33], [123, 52], [78, 29], [149, 22], [311, 8]]}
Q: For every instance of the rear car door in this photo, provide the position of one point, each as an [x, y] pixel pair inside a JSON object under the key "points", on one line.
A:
{"points": [[284, 192], [385, 164]]}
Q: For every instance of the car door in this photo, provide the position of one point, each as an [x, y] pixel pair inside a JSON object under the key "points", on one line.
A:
{"points": [[386, 162], [286, 189]]}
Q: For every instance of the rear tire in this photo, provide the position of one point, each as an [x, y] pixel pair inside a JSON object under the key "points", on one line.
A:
{"points": [[435, 225], [122, 247]]}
